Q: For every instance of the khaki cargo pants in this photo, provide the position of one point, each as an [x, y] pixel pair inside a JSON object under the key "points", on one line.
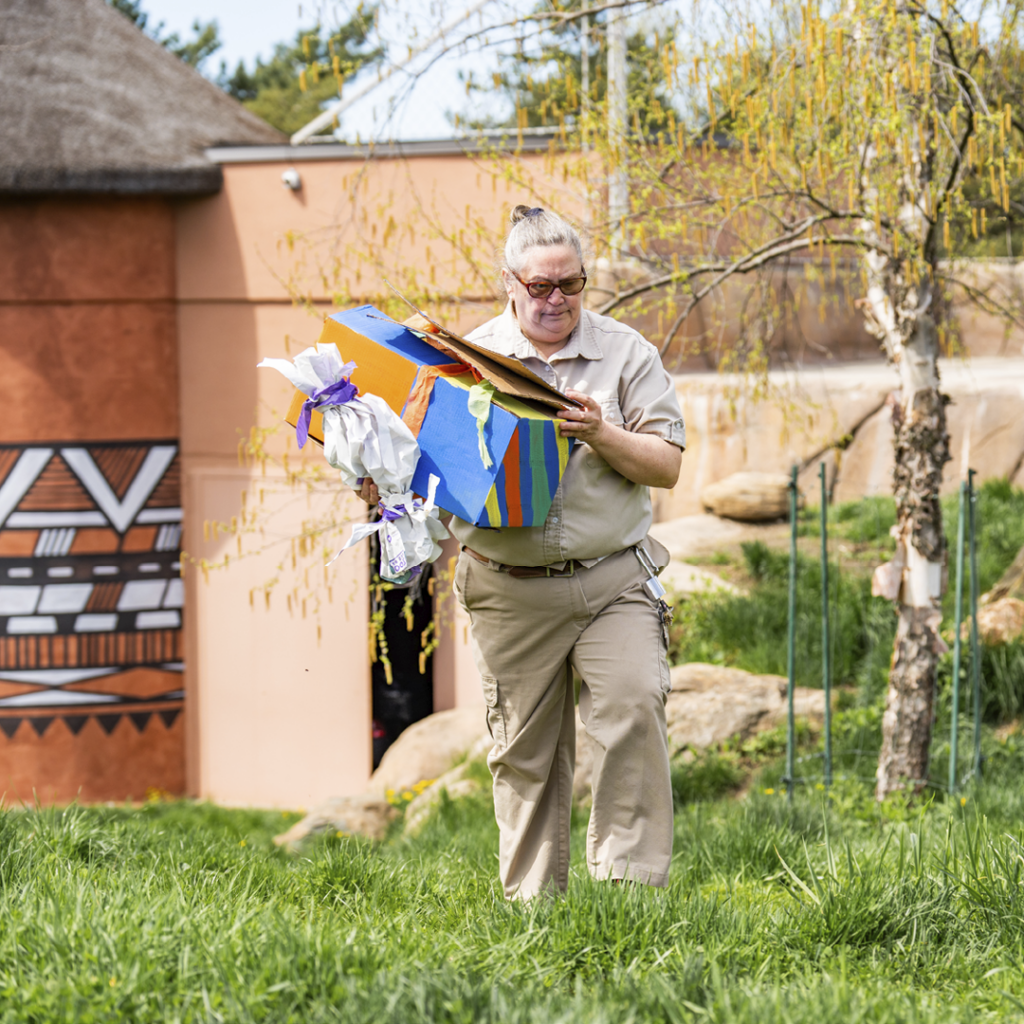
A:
{"points": [[526, 635]]}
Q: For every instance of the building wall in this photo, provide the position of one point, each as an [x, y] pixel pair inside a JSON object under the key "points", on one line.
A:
{"points": [[279, 693], [90, 505]]}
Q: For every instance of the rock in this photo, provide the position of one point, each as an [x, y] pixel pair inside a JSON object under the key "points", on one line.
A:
{"points": [[749, 497], [998, 622], [709, 704], [694, 536], [427, 749], [352, 815], [453, 780]]}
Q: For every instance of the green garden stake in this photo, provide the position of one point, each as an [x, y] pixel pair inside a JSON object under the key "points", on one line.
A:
{"points": [[791, 650], [826, 651], [957, 620], [972, 496]]}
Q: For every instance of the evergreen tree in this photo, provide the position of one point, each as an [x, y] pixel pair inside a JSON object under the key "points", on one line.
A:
{"points": [[293, 86], [206, 35]]}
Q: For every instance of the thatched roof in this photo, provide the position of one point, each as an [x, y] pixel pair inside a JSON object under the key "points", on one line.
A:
{"points": [[90, 104]]}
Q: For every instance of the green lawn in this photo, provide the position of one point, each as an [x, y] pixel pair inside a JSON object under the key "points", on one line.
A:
{"points": [[832, 910], [183, 912]]}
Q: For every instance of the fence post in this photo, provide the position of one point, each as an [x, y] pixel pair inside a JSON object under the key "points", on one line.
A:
{"points": [[957, 622], [791, 649], [972, 497], [826, 651]]}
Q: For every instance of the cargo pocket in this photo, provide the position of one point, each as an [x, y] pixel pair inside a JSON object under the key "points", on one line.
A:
{"points": [[459, 579], [495, 712]]}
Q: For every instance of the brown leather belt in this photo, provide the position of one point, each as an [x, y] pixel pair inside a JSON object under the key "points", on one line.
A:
{"points": [[526, 572]]}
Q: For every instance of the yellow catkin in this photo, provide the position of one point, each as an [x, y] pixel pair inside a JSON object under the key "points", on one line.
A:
{"points": [[984, 221], [945, 234], [302, 80], [974, 223]]}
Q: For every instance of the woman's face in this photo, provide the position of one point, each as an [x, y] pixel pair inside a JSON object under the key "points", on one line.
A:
{"points": [[546, 322]]}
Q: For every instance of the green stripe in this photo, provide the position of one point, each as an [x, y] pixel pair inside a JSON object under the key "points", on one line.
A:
{"points": [[538, 471]]}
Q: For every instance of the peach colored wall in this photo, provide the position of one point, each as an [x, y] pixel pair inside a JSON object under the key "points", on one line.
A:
{"points": [[262, 728], [283, 714]]}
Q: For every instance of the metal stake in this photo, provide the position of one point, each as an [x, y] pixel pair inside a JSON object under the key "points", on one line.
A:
{"points": [[957, 620], [975, 649], [791, 650], [826, 651]]}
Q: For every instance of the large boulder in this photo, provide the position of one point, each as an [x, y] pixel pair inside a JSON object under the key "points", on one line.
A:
{"points": [[749, 497], [427, 749], [422, 754], [709, 704], [998, 622], [347, 815]]}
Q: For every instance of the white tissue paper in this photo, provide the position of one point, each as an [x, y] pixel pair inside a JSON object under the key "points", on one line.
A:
{"points": [[363, 437]]}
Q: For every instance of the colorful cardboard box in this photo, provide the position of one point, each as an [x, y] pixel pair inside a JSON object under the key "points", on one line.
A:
{"points": [[429, 387]]}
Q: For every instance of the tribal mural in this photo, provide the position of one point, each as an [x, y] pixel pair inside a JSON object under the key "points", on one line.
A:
{"points": [[91, 600]]}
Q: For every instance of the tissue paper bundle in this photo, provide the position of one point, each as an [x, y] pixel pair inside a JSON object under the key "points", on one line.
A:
{"points": [[362, 437]]}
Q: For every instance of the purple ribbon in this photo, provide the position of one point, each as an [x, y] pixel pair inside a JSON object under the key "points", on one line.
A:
{"points": [[338, 393], [391, 513]]}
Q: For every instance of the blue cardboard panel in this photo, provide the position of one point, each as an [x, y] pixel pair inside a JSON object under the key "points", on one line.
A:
{"points": [[373, 324], [449, 449]]}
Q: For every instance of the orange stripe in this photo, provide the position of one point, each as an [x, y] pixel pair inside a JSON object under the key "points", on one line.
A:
{"points": [[419, 397], [511, 464]]}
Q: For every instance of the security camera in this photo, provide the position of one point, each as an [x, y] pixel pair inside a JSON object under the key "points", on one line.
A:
{"points": [[290, 179]]}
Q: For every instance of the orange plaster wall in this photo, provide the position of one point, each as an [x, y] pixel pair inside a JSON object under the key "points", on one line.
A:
{"points": [[87, 320]]}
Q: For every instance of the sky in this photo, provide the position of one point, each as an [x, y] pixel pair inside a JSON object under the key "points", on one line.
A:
{"points": [[250, 28]]}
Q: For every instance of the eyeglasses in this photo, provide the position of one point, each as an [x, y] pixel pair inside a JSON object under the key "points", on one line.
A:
{"points": [[542, 289]]}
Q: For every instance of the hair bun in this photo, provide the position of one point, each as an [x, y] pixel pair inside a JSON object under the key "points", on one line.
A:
{"points": [[521, 212]]}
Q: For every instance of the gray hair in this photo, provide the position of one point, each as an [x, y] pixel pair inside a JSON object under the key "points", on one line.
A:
{"points": [[533, 227]]}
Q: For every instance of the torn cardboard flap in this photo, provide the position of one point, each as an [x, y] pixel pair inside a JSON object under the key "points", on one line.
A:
{"points": [[506, 373]]}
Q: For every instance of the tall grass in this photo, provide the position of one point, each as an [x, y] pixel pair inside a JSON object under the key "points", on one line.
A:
{"points": [[182, 913]]}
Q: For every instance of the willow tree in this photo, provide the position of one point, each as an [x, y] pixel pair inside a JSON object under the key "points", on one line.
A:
{"points": [[878, 128]]}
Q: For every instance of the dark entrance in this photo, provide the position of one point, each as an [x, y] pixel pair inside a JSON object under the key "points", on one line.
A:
{"points": [[410, 694]]}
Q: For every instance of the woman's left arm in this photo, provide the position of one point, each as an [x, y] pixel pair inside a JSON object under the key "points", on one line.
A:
{"points": [[642, 458]]}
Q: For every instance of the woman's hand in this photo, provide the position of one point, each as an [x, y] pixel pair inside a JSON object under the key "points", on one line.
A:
{"points": [[642, 458], [586, 424], [368, 491]]}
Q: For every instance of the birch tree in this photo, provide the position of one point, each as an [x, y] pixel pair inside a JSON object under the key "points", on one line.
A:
{"points": [[880, 128]]}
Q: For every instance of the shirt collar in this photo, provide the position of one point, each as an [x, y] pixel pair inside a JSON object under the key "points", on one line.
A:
{"points": [[510, 340]]}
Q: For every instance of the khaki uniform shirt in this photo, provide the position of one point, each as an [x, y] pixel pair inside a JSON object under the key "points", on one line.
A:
{"points": [[596, 511]]}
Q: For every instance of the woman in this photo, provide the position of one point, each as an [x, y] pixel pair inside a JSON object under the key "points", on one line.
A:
{"points": [[575, 593]]}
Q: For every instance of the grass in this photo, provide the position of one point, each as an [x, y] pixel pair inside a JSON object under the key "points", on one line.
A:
{"points": [[832, 909], [182, 912]]}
